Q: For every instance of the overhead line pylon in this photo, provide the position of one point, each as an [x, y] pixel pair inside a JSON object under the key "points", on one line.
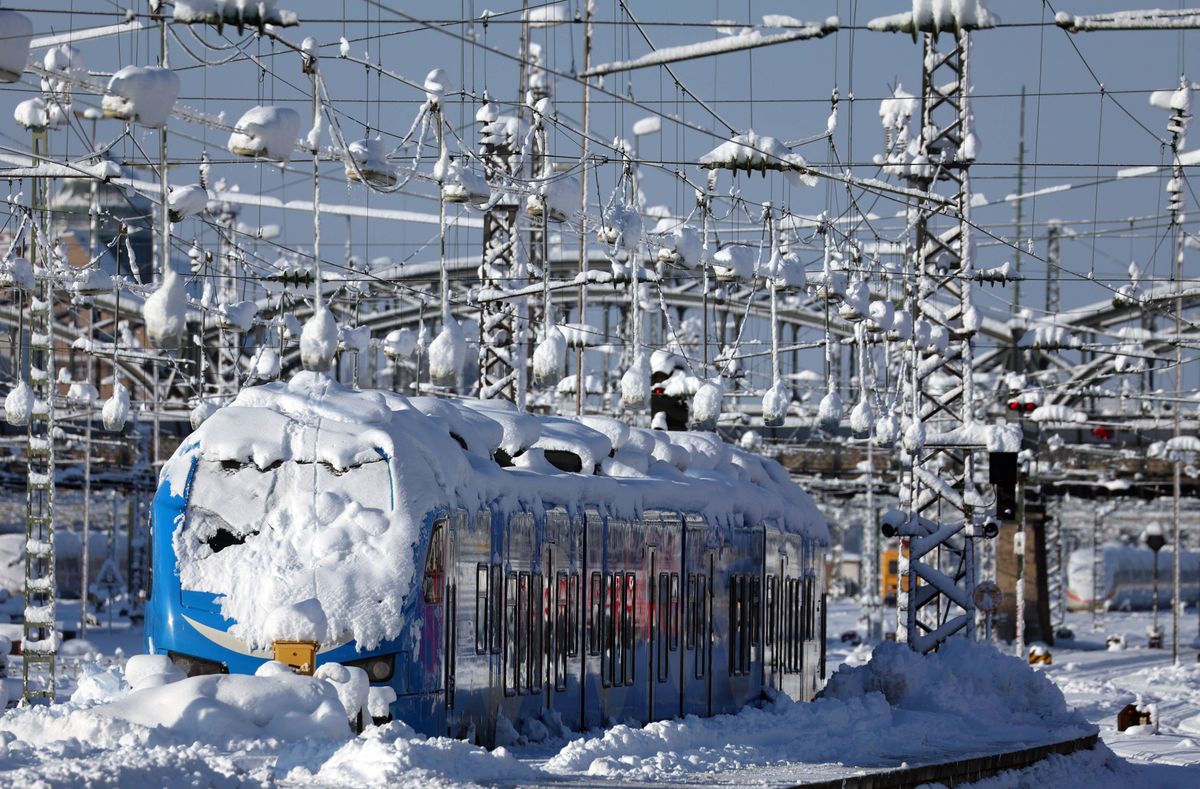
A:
{"points": [[942, 510]]}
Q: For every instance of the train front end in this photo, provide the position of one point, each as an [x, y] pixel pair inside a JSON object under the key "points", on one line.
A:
{"points": [[292, 549]]}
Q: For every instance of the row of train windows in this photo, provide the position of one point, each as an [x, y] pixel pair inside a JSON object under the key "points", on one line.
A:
{"points": [[533, 623], [791, 617]]}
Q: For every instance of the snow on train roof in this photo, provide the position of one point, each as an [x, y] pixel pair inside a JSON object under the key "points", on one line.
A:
{"points": [[320, 539]]}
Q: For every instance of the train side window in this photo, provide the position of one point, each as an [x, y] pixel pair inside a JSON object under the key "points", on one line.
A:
{"points": [[595, 611], [744, 641], [523, 614], [483, 577], [661, 624], [573, 615], [755, 616], [808, 608], [511, 671], [497, 619], [769, 634], [435, 569], [608, 656], [824, 627], [689, 638], [630, 628], [704, 623], [790, 628], [734, 617], [673, 614], [559, 651], [537, 609]]}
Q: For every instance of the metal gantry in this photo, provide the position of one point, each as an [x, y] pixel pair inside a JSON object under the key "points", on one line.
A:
{"points": [[497, 317], [937, 492], [40, 640]]}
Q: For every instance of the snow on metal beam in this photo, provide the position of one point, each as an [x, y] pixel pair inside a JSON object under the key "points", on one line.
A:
{"points": [[1150, 19], [751, 39], [87, 34]]}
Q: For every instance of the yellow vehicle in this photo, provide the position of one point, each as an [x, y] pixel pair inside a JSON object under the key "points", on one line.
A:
{"points": [[889, 577]]}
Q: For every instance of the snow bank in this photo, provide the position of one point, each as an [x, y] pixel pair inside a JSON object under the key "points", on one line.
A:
{"points": [[220, 710], [967, 694], [393, 755], [969, 680]]}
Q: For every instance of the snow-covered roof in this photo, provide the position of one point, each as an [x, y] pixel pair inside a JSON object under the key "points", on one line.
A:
{"points": [[295, 476]]}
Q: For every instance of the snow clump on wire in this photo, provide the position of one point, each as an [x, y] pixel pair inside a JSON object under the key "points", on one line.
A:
{"points": [[165, 311], [447, 353], [549, 357], [145, 94], [829, 412], [269, 132], [635, 384], [862, 416], [775, 403], [18, 405], [116, 409], [706, 404], [318, 341]]}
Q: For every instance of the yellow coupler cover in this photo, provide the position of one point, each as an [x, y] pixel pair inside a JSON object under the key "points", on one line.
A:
{"points": [[300, 655]]}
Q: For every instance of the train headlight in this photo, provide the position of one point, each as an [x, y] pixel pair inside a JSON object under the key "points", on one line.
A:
{"points": [[379, 669]]}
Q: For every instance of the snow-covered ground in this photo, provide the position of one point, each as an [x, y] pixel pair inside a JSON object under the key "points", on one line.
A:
{"points": [[283, 730]]}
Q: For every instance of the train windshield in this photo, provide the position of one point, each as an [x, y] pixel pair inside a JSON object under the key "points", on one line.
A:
{"points": [[305, 511]]}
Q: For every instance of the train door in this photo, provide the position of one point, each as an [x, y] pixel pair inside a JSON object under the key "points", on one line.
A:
{"points": [[456, 525], [591, 702], [708, 631], [696, 653], [666, 597], [774, 566], [655, 631], [480, 606]]}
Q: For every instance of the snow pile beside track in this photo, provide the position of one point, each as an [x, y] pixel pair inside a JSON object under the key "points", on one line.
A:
{"points": [[970, 680], [898, 706], [236, 730]]}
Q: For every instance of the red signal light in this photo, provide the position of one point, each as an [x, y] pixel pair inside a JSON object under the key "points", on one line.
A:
{"points": [[1013, 405], [1030, 406]]}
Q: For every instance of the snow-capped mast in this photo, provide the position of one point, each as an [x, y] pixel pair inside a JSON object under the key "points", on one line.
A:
{"points": [[40, 638], [942, 511]]}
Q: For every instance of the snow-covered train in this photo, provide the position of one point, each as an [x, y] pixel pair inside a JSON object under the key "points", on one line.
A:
{"points": [[488, 566], [1127, 578]]}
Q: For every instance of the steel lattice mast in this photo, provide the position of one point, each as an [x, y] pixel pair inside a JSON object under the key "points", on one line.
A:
{"points": [[938, 496], [497, 318], [40, 641]]}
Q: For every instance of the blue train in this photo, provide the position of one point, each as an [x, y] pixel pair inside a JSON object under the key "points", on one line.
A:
{"points": [[487, 565]]}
